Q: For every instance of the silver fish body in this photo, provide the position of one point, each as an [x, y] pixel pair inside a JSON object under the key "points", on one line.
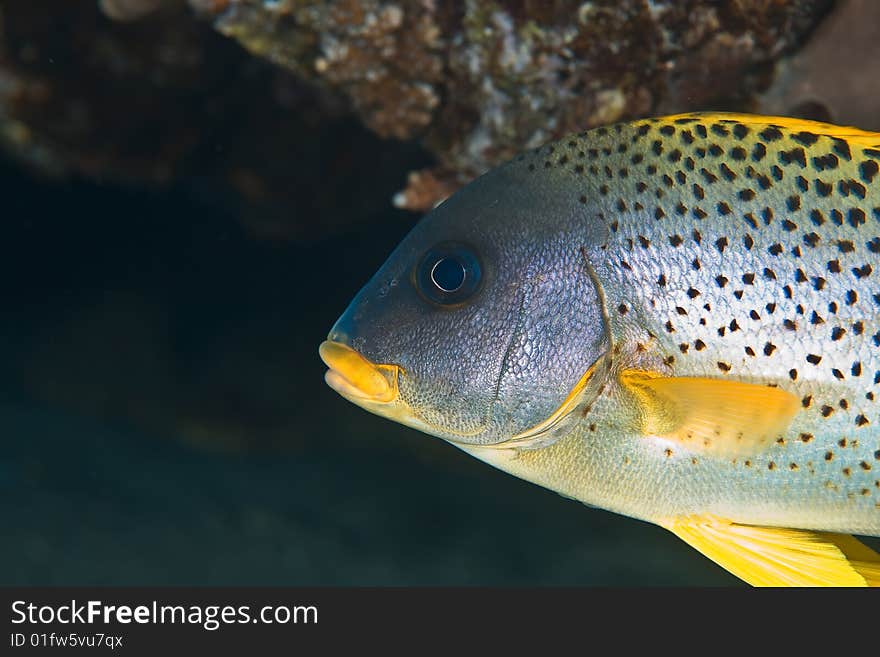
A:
{"points": [[676, 319], [751, 258]]}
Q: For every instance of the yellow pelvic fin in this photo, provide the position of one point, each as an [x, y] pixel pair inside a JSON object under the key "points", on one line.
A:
{"points": [[852, 135], [716, 416], [770, 556]]}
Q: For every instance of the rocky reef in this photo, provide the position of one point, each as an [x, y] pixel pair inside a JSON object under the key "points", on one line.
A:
{"points": [[477, 81], [146, 91]]}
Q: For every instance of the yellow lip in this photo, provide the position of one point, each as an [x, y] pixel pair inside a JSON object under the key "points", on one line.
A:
{"points": [[355, 377]]}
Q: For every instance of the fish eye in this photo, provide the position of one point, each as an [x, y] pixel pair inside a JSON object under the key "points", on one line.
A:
{"points": [[448, 274]]}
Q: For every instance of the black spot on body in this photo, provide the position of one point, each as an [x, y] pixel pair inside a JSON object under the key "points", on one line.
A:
{"points": [[770, 133], [805, 138], [841, 147], [856, 217], [794, 156], [759, 152], [829, 161], [862, 272], [822, 188]]}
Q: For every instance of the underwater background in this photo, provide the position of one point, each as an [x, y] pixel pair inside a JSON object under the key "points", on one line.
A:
{"points": [[193, 190]]}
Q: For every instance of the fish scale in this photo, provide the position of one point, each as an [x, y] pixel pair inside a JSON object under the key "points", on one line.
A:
{"points": [[745, 252]]}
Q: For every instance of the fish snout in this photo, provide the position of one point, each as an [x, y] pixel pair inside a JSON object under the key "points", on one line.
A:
{"points": [[355, 377]]}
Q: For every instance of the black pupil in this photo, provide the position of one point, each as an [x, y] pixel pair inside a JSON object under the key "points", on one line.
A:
{"points": [[448, 274]]}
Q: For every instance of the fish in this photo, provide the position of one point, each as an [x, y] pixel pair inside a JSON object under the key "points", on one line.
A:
{"points": [[675, 319]]}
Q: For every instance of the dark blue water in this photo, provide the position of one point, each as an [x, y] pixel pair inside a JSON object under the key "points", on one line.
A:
{"points": [[164, 420]]}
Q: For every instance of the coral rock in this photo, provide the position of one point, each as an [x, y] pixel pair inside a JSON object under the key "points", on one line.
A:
{"points": [[479, 80]]}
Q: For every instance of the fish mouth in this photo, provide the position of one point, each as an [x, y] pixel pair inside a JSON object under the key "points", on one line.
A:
{"points": [[372, 386], [356, 378]]}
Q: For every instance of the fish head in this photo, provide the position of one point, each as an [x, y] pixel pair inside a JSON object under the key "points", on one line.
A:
{"points": [[484, 323]]}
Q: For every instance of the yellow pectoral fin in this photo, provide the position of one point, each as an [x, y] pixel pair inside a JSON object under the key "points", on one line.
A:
{"points": [[770, 556], [717, 416]]}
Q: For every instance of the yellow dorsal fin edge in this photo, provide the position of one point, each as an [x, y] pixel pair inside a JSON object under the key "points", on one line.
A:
{"points": [[772, 556], [852, 135]]}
